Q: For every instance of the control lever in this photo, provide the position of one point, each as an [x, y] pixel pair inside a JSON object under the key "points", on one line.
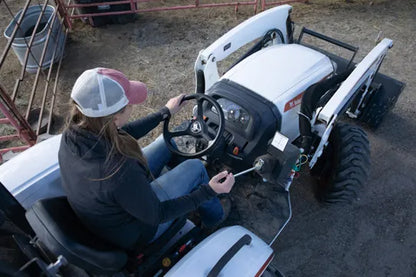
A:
{"points": [[257, 166]]}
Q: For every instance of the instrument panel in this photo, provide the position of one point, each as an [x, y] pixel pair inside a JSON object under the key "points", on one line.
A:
{"points": [[233, 113]]}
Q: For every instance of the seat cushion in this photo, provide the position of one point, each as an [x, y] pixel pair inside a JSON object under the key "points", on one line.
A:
{"points": [[60, 230]]}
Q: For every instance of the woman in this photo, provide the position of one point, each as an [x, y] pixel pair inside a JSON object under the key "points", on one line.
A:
{"points": [[110, 182]]}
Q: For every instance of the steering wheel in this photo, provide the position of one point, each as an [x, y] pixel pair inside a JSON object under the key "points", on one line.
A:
{"points": [[197, 128]]}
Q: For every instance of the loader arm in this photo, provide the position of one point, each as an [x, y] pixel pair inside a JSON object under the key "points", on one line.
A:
{"points": [[206, 71], [362, 77]]}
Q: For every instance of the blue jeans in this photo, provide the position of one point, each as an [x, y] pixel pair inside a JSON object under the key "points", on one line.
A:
{"points": [[179, 181]]}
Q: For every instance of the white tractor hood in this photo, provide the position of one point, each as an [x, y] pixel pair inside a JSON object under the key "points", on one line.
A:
{"points": [[280, 70]]}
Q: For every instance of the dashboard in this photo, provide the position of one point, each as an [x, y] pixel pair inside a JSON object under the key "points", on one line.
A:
{"points": [[250, 122]]}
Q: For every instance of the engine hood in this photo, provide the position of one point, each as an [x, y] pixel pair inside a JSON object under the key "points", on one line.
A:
{"points": [[280, 70]]}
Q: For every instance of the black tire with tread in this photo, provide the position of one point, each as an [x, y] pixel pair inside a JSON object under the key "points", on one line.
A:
{"points": [[343, 168], [380, 103]]}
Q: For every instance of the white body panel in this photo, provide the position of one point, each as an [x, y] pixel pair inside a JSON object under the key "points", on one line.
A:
{"points": [[280, 73], [34, 174], [246, 32], [246, 262], [363, 73]]}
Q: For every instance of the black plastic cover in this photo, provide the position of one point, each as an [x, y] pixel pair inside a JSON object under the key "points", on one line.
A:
{"points": [[253, 140], [13, 210]]}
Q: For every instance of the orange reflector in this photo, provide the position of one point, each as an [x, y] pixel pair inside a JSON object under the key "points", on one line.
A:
{"points": [[182, 248], [236, 150]]}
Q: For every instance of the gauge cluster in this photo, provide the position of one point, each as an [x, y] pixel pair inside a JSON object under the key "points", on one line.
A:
{"points": [[233, 112]]}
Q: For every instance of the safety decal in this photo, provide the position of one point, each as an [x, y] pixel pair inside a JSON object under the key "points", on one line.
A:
{"points": [[293, 102]]}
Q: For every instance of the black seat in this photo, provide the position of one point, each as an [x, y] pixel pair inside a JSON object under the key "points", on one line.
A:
{"points": [[62, 233], [60, 230]]}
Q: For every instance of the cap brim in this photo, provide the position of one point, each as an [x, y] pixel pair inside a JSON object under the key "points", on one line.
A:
{"points": [[137, 92]]}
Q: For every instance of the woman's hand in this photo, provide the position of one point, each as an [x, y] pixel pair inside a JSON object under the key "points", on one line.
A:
{"points": [[222, 187], [174, 104]]}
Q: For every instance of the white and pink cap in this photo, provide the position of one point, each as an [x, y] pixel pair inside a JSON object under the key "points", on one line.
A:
{"points": [[101, 92]]}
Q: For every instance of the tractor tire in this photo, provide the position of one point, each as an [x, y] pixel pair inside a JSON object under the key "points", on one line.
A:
{"points": [[378, 106], [344, 165]]}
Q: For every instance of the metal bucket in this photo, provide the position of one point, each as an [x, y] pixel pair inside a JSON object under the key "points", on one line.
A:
{"points": [[24, 33]]}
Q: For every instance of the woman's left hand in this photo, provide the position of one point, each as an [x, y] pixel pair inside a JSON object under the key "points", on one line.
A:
{"points": [[174, 104]]}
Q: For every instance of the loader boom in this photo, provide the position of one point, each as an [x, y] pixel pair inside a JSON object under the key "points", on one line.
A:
{"points": [[362, 77], [237, 37], [363, 74]]}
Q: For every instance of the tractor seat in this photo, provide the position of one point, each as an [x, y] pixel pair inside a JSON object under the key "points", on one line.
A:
{"points": [[62, 233], [60, 230]]}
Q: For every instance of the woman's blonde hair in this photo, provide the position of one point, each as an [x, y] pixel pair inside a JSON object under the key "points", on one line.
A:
{"points": [[119, 141]]}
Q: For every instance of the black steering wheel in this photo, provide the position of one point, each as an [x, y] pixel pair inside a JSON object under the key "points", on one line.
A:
{"points": [[197, 128]]}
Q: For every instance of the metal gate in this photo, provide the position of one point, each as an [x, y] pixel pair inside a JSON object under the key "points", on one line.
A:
{"points": [[37, 37], [78, 9]]}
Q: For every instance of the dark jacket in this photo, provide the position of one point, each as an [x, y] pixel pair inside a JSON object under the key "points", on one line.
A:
{"points": [[122, 209]]}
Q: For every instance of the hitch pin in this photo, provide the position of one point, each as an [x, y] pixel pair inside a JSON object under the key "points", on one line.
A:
{"points": [[259, 164]]}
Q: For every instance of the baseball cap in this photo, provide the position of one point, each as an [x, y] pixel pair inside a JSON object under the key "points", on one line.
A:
{"points": [[101, 92]]}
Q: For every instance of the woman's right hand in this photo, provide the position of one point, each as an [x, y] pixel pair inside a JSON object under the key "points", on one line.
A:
{"points": [[222, 187]]}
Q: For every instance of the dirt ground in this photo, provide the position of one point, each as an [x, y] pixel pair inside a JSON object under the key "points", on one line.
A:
{"points": [[376, 235]]}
